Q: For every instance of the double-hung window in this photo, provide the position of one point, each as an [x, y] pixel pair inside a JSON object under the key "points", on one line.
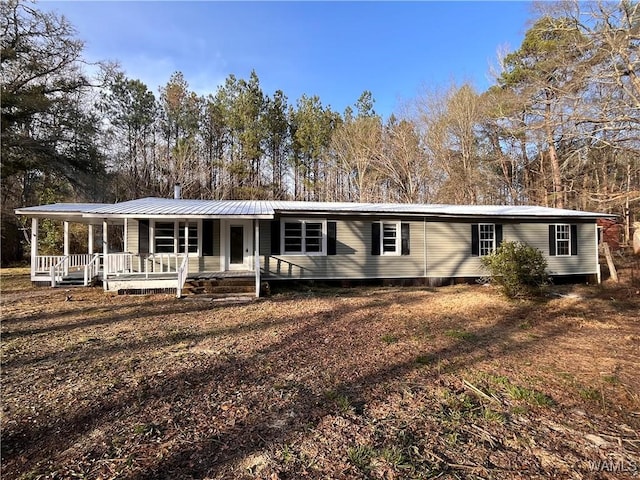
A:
{"points": [[304, 237], [166, 234], [390, 238], [192, 241], [164, 237], [563, 240], [485, 238], [487, 232]]}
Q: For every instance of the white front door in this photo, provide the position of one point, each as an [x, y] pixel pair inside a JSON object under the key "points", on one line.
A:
{"points": [[239, 245]]}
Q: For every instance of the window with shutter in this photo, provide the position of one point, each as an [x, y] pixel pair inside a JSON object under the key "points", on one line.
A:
{"points": [[563, 240], [485, 238], [390, 238], [304, 237]]}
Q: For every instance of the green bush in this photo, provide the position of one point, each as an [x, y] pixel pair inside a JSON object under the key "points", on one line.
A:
{"points": [[519, 269]]}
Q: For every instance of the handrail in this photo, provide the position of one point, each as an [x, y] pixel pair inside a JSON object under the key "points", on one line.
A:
{"points": [[92, 269], [183, 272], [57, 268]]}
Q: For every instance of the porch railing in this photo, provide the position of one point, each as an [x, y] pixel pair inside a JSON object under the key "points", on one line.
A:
{"points": [[53, 268], [57, 271], [183, 272], [141, 265], [43, 263], [61, 265], [92, 269]]}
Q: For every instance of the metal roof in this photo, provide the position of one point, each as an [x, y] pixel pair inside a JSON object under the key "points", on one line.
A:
{"points": [[60, 208], [432, 209], [161, 207], [182, 207]]}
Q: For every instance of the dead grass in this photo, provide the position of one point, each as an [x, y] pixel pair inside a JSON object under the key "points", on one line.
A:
{"points": [[385, 383]]}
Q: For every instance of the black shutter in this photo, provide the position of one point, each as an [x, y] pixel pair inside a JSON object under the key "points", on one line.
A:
{"points": [[574, 239], [552, 240], [475, 240], [498, 235], [143, 236], [331, 238], [275, 237], [405, 238], [207, 238], [375, 238]]}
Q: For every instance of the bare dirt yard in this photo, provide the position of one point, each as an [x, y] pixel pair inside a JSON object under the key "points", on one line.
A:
{"points": [[380, 383]]}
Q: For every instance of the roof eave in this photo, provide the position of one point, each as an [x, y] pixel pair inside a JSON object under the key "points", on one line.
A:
{"points": [[176, 215]]}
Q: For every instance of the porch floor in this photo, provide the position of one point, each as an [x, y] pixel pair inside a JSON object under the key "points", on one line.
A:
{"points": [[77, 278]]}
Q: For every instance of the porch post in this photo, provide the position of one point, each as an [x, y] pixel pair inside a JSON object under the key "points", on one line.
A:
{"points": [[256, 255], [65, 252], [66, 237], [34, 246], [186, 237], [125, 247], [90, 240], [105, 251]]}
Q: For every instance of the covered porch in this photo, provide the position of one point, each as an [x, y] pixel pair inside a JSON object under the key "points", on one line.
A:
{"points": [[125, 271]]}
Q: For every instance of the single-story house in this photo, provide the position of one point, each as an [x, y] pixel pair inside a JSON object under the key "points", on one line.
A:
{"points": [[169, 240]]}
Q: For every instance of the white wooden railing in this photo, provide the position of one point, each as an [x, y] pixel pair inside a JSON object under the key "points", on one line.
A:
{"points": [[54, 268], [92, 269], [59, 266], [135, 265], [58, 270], [117, 264], [43, 263], [183, 272]]}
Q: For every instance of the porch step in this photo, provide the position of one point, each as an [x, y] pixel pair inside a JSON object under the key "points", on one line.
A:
{"points": [[72, 280], [222, 297], [70, 283], [219, 287]]}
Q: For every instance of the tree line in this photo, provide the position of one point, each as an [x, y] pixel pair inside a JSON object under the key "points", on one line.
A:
{"points": [[559, 127]]}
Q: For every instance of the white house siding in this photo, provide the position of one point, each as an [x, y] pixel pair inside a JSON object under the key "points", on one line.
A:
{"points": [[353, 259], [132, 236], [537, 235], [449, 248]]}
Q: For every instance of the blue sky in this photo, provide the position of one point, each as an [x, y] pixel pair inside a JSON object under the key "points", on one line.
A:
{"points": [[335, 50]]}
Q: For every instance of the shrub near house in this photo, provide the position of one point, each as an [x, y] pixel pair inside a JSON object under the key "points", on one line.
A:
{"points": [[519, 269]]}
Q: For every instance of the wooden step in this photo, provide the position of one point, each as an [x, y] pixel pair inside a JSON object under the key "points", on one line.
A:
{"points": [[218, 290], [219, 296]]}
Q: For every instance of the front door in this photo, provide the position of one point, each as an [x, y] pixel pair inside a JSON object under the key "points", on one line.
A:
{"points": [[240, 245]]}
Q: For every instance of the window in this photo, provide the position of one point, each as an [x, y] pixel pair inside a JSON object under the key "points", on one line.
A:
{"points": [[304, 237], [563, 240], [389, 238], [165, 234], [485, 238], [193, 237]]}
